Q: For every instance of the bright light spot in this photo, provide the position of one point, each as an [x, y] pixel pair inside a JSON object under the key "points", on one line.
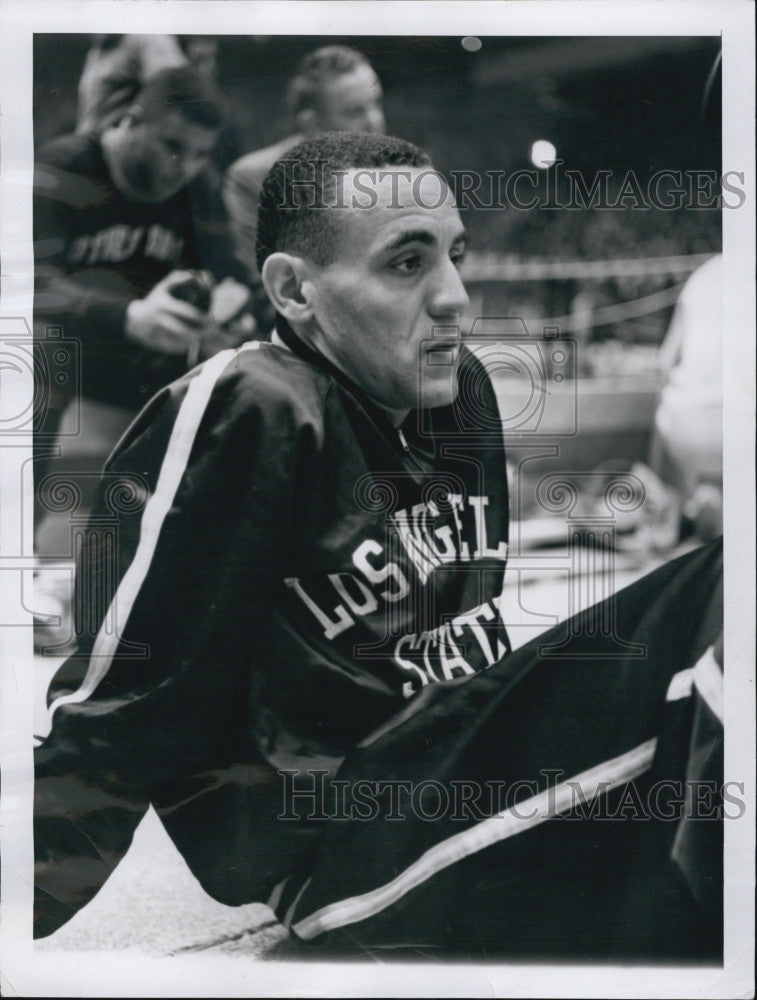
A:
{"points": [[471, 44], [543, 154]]}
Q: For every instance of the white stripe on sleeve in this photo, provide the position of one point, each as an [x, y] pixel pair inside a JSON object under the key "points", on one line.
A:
{"points": [[174, 465]]}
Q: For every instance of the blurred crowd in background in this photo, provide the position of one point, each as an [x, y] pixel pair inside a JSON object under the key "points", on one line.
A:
{"points": [[615, 104]]}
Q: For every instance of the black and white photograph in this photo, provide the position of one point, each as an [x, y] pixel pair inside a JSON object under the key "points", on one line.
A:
{"points": [[377, 488]]}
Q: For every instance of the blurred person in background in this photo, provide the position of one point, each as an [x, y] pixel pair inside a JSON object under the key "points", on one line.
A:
{"points": [[126, 268], [115, 69], [687, 444], [683, 471], [118, 66], [334, 89]]}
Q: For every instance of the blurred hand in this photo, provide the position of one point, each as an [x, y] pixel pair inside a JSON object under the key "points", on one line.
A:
{"points": [[228, 299], [161, 322], [233, 334]]}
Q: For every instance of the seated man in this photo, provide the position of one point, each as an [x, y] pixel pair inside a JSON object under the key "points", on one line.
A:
{"points": [[333, 90], [307, 593], [132, 263]]}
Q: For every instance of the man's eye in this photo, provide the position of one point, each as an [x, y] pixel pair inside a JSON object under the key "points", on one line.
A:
{"points": [[457, 257], [407, 265]]}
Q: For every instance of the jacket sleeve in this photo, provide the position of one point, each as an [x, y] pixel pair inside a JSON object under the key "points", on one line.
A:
{"points": [[158, 690], [73, 300]]}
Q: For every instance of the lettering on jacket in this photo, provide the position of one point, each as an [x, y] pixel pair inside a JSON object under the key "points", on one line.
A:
{"points": [[120, 242], [430, 539]]}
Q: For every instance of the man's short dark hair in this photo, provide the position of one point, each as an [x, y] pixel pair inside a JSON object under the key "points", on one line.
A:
{"points": [[182, 89], [289, 218], [317, 69]]}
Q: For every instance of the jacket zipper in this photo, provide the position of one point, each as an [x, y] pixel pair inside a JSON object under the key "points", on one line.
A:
{"points": [[406, 449]]}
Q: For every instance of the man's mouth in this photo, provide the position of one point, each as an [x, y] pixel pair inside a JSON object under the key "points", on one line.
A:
{"points": [[443, 353]]}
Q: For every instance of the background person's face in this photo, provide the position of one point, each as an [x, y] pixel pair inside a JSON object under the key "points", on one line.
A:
{"points": [[395, 279], [352, 103], [163, 154]]}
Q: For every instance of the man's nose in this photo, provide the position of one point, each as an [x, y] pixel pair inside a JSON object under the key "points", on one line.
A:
{"points": [[448, 295]]}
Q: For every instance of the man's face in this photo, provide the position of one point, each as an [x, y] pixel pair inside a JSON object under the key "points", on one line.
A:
{"points": [[162, 154], [351, 102], [387, 309]]}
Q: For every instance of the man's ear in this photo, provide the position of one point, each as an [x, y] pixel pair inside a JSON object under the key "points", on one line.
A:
{"points": [[284, 278]]}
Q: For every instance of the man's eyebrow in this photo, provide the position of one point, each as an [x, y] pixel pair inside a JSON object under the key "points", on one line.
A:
{"points": [[420, 236]]}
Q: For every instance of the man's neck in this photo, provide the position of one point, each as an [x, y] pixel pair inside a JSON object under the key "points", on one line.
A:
{"points": [[283, 335]]}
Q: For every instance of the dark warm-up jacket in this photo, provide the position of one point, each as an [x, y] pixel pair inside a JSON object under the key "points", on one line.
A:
{"points": [[271, 572]]}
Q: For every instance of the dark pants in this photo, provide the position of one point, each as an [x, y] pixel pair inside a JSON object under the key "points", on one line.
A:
{"points": [[565, 804]]}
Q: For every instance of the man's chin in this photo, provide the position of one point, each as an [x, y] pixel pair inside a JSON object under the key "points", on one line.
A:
{"points": [[439, 393]]}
